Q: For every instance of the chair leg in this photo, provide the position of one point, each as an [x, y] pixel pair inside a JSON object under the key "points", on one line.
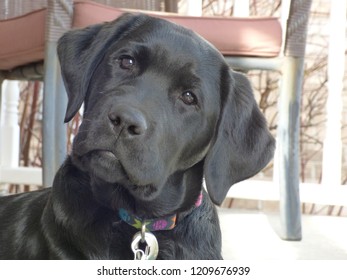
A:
{"points": [[288, 148], [54, 129], [60, 126]]}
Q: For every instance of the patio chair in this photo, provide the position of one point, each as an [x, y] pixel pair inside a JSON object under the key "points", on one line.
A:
{"points": [[247, 43]]}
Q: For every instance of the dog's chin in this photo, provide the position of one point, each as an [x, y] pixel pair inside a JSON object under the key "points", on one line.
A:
{"points": [[145, 193], [107, 167]]}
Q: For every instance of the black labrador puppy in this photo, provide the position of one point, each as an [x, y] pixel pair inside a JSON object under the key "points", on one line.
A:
{"points": [[162, 110]]}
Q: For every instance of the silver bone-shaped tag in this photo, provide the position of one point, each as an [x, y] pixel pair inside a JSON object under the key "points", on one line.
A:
{"points": [[151, 249]]}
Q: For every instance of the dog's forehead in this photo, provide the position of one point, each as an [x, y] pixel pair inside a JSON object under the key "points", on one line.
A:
{"points": [[179, 40], [174, 45], [169, 39]]}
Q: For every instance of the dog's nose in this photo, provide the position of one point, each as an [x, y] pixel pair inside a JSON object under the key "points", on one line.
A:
{"points": [[130, 120]]}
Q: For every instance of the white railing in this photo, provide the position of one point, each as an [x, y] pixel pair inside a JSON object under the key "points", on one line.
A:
{"points": [[10, 171], [309, 192]]}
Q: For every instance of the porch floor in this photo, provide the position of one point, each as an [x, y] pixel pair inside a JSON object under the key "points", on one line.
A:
{"points": [[252, 235]]}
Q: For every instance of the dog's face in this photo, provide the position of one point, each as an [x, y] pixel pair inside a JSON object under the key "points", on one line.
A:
{"points": [[159, 99]]}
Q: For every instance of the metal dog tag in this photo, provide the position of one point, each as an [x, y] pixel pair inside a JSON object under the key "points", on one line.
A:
{"points": [[151, 249]]}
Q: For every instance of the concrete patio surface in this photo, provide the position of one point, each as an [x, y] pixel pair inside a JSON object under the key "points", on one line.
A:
{"points": [[252, 235]]}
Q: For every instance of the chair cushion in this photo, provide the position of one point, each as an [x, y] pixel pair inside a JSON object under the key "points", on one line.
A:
{"points": [[253, 36], [22, 38]]}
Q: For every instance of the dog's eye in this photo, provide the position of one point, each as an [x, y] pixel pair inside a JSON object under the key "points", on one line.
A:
{"points": [[126, 62], [189, 98]]}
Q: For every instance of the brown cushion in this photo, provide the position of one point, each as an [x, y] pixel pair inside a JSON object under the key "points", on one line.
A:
{"points": [[254, 36], [22, 38]]}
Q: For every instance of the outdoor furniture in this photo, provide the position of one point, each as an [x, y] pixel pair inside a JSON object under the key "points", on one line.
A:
{"points": [[247, 43]]}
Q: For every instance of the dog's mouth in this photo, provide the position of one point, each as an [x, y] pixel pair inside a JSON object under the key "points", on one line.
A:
{"points": [[106, 158], [106, 162], [106, 165], [108, 155]]}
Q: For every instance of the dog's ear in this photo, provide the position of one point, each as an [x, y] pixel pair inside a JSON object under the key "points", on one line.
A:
{"points": [[80, 52], [243, 144]]}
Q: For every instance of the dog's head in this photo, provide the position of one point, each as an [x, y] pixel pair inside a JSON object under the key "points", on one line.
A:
{"points": [[158, 99]]}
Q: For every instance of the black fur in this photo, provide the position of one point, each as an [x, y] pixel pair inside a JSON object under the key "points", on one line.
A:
{"points": [[144, 145]]}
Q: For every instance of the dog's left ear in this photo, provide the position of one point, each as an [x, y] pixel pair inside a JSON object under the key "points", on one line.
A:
{"points": [[243, 143]]}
